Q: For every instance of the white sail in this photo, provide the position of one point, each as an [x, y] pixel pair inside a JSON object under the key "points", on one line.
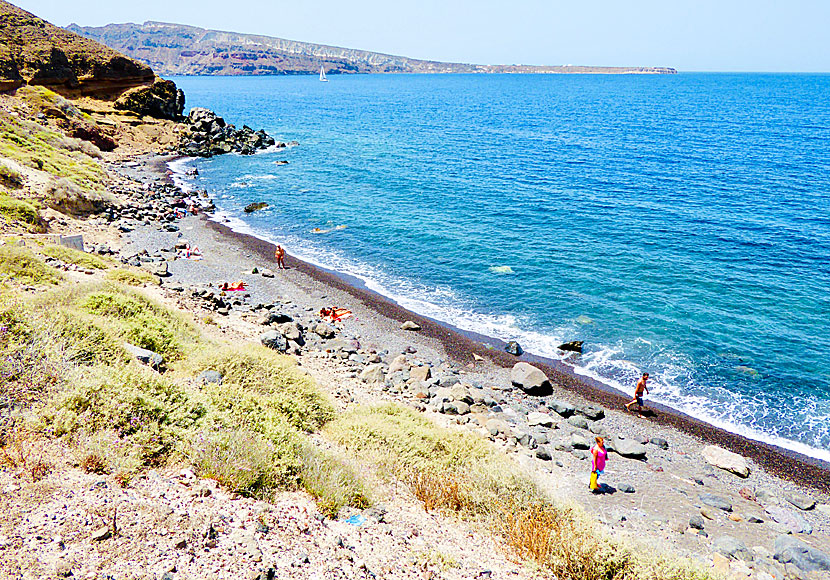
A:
{"points": [[323, 78]]}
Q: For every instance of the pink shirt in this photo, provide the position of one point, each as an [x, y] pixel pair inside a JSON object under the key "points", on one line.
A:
{"points": [[602, 455]]}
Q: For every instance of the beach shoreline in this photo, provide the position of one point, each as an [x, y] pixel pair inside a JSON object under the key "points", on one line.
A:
{"points": [[461, 345]]}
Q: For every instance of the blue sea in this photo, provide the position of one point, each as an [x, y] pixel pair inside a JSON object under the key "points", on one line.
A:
{"points": [[678, 224]]}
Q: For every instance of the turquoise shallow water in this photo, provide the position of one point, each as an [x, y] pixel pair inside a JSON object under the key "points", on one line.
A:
{"points": [[678, 224]]}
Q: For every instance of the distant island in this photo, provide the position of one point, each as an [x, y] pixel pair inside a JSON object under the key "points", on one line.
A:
{"points": [[176, 49]]}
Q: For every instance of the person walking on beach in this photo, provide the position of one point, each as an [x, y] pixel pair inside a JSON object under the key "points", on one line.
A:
{"points": [[279, 256], [599, 455], [638, 393]]}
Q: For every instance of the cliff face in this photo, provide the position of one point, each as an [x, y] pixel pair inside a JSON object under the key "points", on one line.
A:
{"points": [[176, 49], [32, 51]]}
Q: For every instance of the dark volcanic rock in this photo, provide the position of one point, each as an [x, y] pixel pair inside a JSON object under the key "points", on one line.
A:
{"points": [[161, 100], [572, 346], [208, 134], [257, 205], [513, 348]]}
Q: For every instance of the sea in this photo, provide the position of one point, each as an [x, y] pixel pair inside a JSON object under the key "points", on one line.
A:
{"points": [[677, 224]]}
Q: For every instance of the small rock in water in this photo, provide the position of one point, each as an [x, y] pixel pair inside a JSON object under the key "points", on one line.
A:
{"points": [[572, 346], [410, 325], [513, 348]]}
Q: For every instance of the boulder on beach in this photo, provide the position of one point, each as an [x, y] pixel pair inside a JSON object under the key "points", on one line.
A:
{"points": [[716, 501], [530, 379], [726, 460], [629, 448], [801, 501], [789, 550], [373, 374], [410, 325], [572, 346], [273, 340], [732, 548], [324, 330], [789, 519], [535, 418], [513, 348]]}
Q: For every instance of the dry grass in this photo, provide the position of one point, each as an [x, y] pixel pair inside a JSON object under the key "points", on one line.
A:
{"points": [[72, 256], [462, 474], [25, 453], [132, 277], [17, 264], [20, 212]]}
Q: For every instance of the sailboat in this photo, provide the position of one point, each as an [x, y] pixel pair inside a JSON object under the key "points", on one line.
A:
{"points": [[323, 78]]}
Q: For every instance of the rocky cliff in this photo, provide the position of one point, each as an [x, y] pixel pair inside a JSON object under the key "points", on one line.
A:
{"points": [[176, 49], [32, 51]]}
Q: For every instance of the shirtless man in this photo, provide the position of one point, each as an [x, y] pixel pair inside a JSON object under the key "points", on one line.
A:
{"points": [[279, 256], [638, 393]]}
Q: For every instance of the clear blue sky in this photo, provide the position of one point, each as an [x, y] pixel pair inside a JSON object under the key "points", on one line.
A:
{"points": [[691, 35]]}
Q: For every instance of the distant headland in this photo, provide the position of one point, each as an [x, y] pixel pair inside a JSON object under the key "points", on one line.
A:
{"points": [[176, 49]]}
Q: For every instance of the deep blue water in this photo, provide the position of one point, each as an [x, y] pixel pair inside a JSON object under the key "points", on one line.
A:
{"points": [[678, 224]]}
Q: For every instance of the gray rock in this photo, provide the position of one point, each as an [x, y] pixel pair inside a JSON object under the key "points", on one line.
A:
{"points": [[535, 418], [147, 357], [273, 340], [789, 519], [789, 550], [592, 413], [579, 442], [578, 421], [266, 273], [766, 497], [716, 501], [696, 522], [801, 501], [659, 442], [563, 409], [343, 345], [572, 346], [210, 377], [732, 548], [580, 454], [324, 330], [276, 317], [530, 379], [543, 453], [101, 534], [629, 448], [292, 331], [456, 408], [496, 426], [513, 348], [625, 488], [158, 268], [726, 460], [372, 374], [409, 325], [754, 520]]}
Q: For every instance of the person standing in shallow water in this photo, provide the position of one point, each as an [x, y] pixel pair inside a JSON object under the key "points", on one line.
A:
{"points": [[279, 256], [638, 393], [599, 455]]}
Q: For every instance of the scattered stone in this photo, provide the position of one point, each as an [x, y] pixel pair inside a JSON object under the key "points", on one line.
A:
{"points": [[572, 346], [579, 442], [266, 273], [789, 550], [708, 513], [324, 330], [101, 534], [513, 348], [766, 497], [210, 377], [732, 548], [372, 374], [578, 421], [409, 325], [147, 357], [747, 494], [156, 268], [726, 460], [801, 501], [592, 413], [629, 448], [659, 442], [543, 453], [696, 522], [625, 488], [789, 519], [754, 520], [716, 501], [535, 418], [564, 410], [530, 379], [273, 340]]}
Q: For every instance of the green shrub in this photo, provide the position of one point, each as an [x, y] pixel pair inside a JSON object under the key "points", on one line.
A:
{"points": [[17, 210], [260, 385], [85, 341], [10, 177], [21, 265], [72, 256], [132, 277]]}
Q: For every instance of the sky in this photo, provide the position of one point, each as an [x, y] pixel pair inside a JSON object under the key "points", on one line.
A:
{"points": [[690, 35]]}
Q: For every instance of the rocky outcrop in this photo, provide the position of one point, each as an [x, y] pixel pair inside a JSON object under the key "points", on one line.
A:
{"points": [[32, 51], [188, 50], [207, 134], [161, 100]]}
